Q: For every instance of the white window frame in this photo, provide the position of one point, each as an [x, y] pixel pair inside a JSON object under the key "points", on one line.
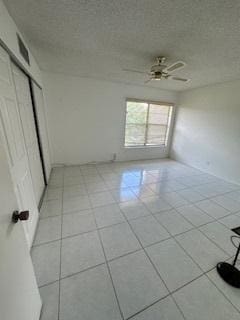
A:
{"points": [[169, 128]]}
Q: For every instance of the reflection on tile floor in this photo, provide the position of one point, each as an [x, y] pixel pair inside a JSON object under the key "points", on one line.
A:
{"points": [[136, 240]]}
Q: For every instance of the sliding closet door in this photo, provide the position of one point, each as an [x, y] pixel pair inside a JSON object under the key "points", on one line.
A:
{"points": [[27, 118], [12, 135]]}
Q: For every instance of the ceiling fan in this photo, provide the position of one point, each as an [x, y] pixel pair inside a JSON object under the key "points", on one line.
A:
{"points": [[161, 71]]}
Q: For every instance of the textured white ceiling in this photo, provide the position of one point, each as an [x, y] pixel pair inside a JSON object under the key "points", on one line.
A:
{"points": [[97, 38]]}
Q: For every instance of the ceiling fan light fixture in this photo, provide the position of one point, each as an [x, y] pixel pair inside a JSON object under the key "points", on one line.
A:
{"points": [[156, 75]]}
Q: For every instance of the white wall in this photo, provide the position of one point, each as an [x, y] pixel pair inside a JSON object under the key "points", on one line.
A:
{"points": [[86, 118], [207, 130], [8, 36]]}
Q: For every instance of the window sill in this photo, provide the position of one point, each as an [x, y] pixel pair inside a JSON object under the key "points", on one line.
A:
{"points": [[146, 147]]}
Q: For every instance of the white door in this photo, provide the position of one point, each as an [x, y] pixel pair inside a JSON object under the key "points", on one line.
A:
{"points": [[12, 132], [19, 296], [41, 117], [26, 114]]}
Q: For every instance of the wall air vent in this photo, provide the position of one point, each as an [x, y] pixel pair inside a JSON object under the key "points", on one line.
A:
{"points": [[23, 50]]}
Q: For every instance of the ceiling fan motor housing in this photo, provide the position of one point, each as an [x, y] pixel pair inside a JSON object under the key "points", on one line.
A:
{"points": [[157, 68]]}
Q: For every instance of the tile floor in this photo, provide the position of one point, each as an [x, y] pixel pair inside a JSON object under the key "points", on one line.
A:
{"points": [[136, 240]]}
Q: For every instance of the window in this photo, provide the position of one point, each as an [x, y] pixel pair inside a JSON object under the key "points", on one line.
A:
{"points": [[147, 123]]}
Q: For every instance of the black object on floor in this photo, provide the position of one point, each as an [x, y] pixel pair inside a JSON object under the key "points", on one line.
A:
{"points": [[228, 272]]}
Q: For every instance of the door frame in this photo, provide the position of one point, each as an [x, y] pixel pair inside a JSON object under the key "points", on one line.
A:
{"points": [[37, 129]]}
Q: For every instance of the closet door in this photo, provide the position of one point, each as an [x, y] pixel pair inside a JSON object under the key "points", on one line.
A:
{"points": [[29, 130], [14, 142], [19, 295]]}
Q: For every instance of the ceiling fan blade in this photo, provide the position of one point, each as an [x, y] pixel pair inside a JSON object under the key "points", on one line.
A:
{"points": [[166, 76], [148, 80], [136, 71], [180, 79], [175, 66]]}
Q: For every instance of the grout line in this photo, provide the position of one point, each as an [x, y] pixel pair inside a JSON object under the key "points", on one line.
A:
{"points": [[115, 224], [115, 258], [107, 264], [143, 248], [81, 271], [222, 292], [149, 306], [195, 228], [156, 270], [136, 218], [101, 264], [122, 222], [215, 243], [109, 272], [171, 295], [233, 214], [211, 198], [48, 284], [188, 254], [177, 305], [213, 219], [60, 266]]}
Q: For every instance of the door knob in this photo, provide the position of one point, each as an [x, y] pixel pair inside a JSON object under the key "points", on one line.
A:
{"points": [[23, 216]]}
